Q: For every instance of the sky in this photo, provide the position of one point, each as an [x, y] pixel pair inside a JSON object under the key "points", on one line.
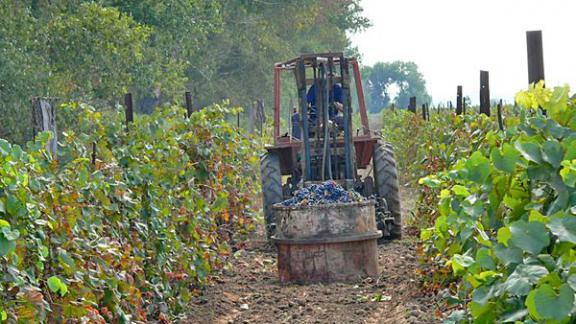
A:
{"points": [[452, 40]]}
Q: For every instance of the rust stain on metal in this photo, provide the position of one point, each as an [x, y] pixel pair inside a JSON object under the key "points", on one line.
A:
{"points": [[327, 243]]}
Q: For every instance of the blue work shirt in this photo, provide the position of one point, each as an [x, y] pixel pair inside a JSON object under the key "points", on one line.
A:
{"points": [[311, 99]]}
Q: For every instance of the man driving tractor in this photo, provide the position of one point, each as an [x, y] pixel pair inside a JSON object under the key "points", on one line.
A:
{"points": [[334, 111]]}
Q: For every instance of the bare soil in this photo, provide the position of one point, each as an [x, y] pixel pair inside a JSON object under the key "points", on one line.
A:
{"points": [[250, 291]]}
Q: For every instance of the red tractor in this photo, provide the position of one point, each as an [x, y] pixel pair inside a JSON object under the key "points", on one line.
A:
{"points": [[322, 145]]}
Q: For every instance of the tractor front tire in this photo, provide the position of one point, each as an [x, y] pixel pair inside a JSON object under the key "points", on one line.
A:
{"points": [[387, 186], [271, 189]]}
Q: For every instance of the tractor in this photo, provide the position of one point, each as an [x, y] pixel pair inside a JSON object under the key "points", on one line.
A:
{"points": [[322, 145]]}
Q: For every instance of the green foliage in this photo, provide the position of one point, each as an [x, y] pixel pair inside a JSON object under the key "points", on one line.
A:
{"points": [[132, 237], [92, 51], [426, 147], [95, 51], [510, 238]]}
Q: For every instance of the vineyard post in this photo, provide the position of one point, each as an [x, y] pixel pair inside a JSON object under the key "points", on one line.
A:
{"points": [[463, 106], [412, 106], [424, 111], [129, 109], [427, 111], [93, 153], [44, 120], [535, 56], [459, 100], [500, 122], [238, 119], [484, 93], [188, 97]]}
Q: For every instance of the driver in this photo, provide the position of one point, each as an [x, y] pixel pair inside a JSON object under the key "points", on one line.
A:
{"points": [[334, 112]]}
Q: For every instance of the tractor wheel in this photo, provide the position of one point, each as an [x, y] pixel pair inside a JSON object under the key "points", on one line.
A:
{"points": [[271, 189], [387, 186]]}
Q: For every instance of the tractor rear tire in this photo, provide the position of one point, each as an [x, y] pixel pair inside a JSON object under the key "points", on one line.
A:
{"points": [[271, 189], [387, 186]]}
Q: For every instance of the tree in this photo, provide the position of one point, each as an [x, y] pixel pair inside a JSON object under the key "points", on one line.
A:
{"points": [[96, 50], [380, 78]]}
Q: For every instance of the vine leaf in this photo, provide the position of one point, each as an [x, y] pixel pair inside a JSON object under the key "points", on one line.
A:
{"points": [[544, 303], [524, 276], [506, 159], [564, 228], [531, 237]]}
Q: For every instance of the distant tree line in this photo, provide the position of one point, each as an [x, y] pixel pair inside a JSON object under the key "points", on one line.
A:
{"points": [[381, 79], [96, 50]]}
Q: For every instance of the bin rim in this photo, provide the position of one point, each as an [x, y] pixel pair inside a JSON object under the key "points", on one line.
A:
{"points": [[367, 202]]}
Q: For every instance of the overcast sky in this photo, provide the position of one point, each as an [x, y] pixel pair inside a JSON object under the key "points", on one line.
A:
{"points": [[452, 40]]}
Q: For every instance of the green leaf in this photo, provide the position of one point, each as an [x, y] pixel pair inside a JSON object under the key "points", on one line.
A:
{"points": [[564, 228], [478, 167], [15, 207], [3, 315], [460, 262], [572, 281], [530, 151], [508, 255], [6, 246], [520, 282], [568, 173], [503, 235], [531, 237], [557, 105], [5, 147], [4, 223], [484, 259], [10, 235], [545, 304], [536, 216], [483, 294], [552, 152], [57, 286], [506, 159], [513, 316], [460, 190]]}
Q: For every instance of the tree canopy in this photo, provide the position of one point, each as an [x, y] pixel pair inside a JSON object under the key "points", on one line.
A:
{"points": [[97, 50], [380, 79]]}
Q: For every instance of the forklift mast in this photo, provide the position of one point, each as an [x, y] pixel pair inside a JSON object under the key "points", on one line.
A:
{"points": [[324, 81]]}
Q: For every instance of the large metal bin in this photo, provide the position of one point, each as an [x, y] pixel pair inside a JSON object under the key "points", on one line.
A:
{"points": [[325, 243]]}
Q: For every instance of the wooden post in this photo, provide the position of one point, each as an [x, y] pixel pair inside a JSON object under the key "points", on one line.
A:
{"points": [[93, 153], [129, 110], [535, 56], [500, 121], [484, 93], [44, 120], [189, 110], [424, 111], [459, 100], [238, 119], [412, 106]]}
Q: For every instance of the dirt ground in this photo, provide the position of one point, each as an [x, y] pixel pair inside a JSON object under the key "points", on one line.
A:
{"points": [[251, 293]]}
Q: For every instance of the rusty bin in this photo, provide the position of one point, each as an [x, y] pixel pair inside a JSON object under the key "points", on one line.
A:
{"points": [[324, 243]]}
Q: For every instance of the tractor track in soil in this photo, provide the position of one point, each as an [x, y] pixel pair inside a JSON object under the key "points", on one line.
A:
{"points": [[250, 291]]}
